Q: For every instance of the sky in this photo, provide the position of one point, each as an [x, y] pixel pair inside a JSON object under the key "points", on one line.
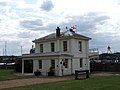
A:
{"points": [[22, 21]]}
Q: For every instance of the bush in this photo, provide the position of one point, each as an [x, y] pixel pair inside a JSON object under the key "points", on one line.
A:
{"points": [[37, 73]]}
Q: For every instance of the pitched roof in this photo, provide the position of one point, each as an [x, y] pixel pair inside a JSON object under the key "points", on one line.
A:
{"points": [[63, 35]]}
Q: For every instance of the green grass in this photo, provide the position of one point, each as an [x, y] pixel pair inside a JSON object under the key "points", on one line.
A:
{"points": [[6, 74], [93, 83], [9, 74]]}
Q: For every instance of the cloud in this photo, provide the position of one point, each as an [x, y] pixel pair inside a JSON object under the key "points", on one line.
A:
{"points": [[97, 26], [3, 4], [21, 21], [88, 24], [32, 24], [29, 35], [102, 40], [85, 23], [31, 1], [14, 47], [47, 5]]}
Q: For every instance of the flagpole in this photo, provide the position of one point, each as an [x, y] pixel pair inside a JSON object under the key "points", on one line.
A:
{"points": [[76, 28]]}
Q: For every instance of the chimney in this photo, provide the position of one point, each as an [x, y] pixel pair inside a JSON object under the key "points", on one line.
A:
{"points": [[57, 32]]}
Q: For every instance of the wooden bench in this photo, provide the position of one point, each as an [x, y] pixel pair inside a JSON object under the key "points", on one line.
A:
{"points": [[81, 72]]}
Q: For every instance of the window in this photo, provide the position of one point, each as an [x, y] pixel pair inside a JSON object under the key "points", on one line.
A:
{"points": [[81, 62], [80, 45], [41, 48], [64, 45], [65, 63], [52, 47], [53, 63], [40, 64]]}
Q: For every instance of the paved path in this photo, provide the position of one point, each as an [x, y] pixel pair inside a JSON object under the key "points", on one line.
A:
{"points": [[38, 80], [30, 81]]}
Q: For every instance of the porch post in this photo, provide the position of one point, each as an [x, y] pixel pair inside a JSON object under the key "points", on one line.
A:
{"points": [[22, 66], [35, 65], [60, 67]]}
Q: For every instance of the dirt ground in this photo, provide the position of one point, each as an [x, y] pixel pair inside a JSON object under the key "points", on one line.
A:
{"points": [[41, 79], [30, 81]]}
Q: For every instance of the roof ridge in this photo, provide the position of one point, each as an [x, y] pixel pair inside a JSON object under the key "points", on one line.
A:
{"points": [[62, 35]]}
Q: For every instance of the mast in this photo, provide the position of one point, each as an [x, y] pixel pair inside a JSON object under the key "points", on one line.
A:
{"points": [[21, 50], [5, 49]]}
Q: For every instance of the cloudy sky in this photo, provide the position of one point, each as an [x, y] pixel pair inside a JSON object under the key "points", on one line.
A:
{"points": [[21, 21]]}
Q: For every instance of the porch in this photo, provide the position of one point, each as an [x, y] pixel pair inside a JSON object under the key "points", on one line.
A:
{"points": [[61, 63]]}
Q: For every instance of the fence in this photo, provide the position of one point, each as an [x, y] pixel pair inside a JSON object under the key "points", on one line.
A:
{"points": [[111, 67]]}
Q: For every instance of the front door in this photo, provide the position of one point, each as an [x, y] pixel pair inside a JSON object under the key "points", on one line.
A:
{"points": [[52, 68], [28, 66]]}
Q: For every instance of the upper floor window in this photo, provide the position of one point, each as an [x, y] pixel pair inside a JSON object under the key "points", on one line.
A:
{"points": [[40, 64], [52, 47], [81, 62], [80, 45], [64, 45], [41, 48]]}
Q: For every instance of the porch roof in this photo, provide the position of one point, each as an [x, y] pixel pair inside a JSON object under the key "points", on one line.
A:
{"points": [[48, 55]]}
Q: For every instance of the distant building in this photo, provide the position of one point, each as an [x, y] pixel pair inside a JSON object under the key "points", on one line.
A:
{"points": [[94, 54], [105, 62], [104, 57], [64, 52], [8, 61]]}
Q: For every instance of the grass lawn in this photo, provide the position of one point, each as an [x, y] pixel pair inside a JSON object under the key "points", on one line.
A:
{"points": [[93, 83], [8, 74]]}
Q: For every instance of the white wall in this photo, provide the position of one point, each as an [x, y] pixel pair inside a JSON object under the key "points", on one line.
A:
{"points": [[67, 71], [35, 65], [72, 48], [79, 54], [46, 46], [37, 48]]}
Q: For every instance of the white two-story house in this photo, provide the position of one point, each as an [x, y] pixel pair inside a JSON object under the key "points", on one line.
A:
{"points": [[65, 52]]}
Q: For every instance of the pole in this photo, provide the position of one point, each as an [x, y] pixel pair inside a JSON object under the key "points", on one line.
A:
{"points": [[21, 50], [76, 28], [3, 52], [5, 48]]}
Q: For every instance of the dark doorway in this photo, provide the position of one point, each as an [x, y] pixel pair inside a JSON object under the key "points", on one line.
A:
{"points": [[28, 66]]}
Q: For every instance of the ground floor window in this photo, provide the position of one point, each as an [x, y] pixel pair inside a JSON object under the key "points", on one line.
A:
{"points": [[81, 62], [53, 63], [40, 64]]}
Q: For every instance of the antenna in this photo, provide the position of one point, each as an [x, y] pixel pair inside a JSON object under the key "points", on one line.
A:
{"points": [[3, 51], [108, 50], [66, 28], [5, 48], [21, 50], [76, 28]]}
